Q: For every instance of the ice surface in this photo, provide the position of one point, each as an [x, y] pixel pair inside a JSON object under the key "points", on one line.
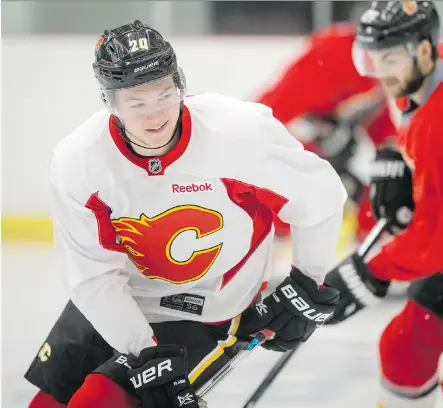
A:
{"points": [[337, 368]]}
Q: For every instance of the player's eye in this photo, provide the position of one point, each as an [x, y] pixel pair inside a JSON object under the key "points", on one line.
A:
{"points": [[165, 97], [137, 105]]}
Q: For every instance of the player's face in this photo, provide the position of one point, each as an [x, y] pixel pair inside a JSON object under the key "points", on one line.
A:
{"points": [[399, 73], [396, 70], [150, 111]]}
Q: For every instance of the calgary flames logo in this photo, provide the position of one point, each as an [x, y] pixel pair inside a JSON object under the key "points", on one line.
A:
{"points": [[148, 242], [410, 7]]}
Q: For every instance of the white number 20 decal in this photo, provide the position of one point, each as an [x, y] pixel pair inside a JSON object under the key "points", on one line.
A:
{"points": [[140, 44]]}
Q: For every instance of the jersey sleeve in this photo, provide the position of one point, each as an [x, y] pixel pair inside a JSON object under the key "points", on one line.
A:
{"points": [[418, 251], [308, 85], [311, 197], [97, 278], [380, 127]]}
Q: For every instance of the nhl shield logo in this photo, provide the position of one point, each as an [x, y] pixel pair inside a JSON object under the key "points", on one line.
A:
{"points": [[155, 166]]}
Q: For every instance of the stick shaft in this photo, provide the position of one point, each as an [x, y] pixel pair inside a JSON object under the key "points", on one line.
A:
{"points": [[259, 339]]}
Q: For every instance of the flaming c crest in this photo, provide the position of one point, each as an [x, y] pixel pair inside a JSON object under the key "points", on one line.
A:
{"points": [[148, 242], [410, 7]]}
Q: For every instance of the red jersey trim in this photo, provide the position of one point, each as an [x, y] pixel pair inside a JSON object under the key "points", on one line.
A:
{"points": [[402, 103], [167, 159], [261, 205], [106, 232]]}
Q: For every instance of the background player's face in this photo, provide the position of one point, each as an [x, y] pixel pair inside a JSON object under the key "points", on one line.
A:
{"points": [[395, 69], [150, 111], [399, 74]]}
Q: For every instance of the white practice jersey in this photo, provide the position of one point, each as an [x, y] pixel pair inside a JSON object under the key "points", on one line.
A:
{"points": [[188, 235]]}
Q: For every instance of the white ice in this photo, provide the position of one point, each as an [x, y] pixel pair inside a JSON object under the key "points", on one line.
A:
{"points": [[336, 368]]}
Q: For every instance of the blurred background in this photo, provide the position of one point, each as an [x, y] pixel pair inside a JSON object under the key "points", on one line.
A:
{"points": [[175, 17], [230, 47]]}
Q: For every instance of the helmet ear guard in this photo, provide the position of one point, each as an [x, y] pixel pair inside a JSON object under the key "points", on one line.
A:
{"points": [[181, 80], [105, 99]]}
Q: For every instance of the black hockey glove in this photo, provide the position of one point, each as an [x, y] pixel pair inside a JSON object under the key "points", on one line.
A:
{"points": [[357, 287], [159, 377], [337, 143], [391, 189], [296, 308]]}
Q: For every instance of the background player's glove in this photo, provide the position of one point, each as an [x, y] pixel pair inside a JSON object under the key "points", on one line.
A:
{"points": [[391, 189], [159, 377], [357, 287], [293, 311], [337, 142]]}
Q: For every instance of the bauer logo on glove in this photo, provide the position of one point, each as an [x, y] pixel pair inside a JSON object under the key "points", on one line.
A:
{"points": [[293, 312], [151, 373], [302, 306]]}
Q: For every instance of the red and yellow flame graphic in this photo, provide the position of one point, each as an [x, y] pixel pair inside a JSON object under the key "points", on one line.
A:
{"points": [[148, 242]]}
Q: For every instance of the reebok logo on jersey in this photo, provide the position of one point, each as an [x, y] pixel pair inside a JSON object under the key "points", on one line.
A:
{"points": [[192, 187]]}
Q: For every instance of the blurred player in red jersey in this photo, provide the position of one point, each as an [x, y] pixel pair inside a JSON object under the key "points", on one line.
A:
{"points": [[397, 43], [331, 109]]}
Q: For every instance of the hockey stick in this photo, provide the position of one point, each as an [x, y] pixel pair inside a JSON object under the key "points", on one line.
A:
{"points": [[372, 237], [270, 377], [259, 339], [362, 251]]}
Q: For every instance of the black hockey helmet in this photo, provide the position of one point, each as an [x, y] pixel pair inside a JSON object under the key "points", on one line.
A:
{"points": [[391, 23], [133, 54]]}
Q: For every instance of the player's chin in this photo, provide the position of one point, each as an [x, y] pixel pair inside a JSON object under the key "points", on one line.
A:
{"points": [[394, 90]]}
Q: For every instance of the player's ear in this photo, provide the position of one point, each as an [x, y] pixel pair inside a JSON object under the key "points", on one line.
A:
{"points": [[425, 55], [425, 50]]}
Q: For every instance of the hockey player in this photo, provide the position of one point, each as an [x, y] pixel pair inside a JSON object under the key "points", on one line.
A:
{"points": [[163, 226], [397, 43], [329, 107]]}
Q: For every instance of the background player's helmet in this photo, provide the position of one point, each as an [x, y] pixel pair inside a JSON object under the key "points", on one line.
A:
{"points": [[390, 23], [133, 54]]}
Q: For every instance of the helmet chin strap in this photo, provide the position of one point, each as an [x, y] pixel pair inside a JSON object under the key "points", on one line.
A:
{"points": [[130, 142]]}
